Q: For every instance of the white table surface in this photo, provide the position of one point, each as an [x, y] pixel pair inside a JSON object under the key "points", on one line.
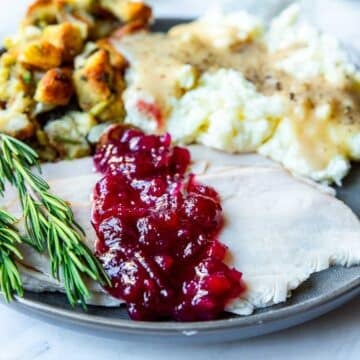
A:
{"points": [[335, 335]]}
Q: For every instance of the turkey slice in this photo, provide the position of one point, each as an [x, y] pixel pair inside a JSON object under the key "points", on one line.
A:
{"points": [[279, 229]]}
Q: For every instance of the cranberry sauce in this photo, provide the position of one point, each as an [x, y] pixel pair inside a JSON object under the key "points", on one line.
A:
{"points": [[157, 231]]}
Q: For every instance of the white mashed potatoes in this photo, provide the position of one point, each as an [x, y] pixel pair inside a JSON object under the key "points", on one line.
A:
{"points": [[225, 112], [302, 134], [315, 54], [289, 93]]}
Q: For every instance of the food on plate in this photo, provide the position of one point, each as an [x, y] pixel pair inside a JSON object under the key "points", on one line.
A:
{"points": [[44, 222], [157, 231], [273, 255], [226, 81], [189, 206], [42, 80], [289, 92]]}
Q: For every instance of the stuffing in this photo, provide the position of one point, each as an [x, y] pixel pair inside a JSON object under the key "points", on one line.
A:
{"points": [[67, 37], [50, 83], [42, 11], [99, 86], [41, 55], [16, 86], [92, 81], [97, 17], [55, 87], [128, 10], [68, 134], [15, 124], [128, 29], [117, 60]]}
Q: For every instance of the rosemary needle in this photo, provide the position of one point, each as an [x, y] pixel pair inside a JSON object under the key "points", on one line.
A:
{"points": [[10, 280], [49, 221]]}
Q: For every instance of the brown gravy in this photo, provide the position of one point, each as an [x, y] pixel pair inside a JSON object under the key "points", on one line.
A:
{"points": [[157, 58]]}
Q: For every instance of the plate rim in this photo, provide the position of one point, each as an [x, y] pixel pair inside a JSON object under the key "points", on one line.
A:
{"points": [[172, 327]]}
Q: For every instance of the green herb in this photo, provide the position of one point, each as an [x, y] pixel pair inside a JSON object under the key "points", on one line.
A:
{"points": [[67, 140], [10, 280], [27, 77], [49, 221], [100, 107]]}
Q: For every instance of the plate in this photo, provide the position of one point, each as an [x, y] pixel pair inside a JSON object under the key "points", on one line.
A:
{"points": [[323, 292]]}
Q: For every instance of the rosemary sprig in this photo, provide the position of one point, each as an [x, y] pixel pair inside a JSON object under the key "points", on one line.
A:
{"points": [[10, 280], [49, 221]]}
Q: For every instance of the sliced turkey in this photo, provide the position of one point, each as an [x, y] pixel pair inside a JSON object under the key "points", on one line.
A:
{"points": [[279, 229]]}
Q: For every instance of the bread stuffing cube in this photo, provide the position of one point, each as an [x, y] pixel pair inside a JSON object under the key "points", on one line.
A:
{"points": [[99, 86], [55, 87], [41, 55], [68, 134], [67, 37], [128, 10], [15, 124], [93, 80], [117, 60], [42, 11]]}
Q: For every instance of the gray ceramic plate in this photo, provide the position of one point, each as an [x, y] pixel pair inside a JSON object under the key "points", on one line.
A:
{"points": [[321, 293]]}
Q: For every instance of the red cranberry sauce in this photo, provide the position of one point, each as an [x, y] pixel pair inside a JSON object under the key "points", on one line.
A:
{"points": [[157, 231]]}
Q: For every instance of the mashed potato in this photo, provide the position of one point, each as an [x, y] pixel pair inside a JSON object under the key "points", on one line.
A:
{"points": [[285, 147], [289, 93], [317, 138], [313, 53], [221, 31], [225, 112]]}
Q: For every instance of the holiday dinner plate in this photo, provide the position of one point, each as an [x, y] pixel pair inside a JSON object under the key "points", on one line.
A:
{"points": [[323, 292]]}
